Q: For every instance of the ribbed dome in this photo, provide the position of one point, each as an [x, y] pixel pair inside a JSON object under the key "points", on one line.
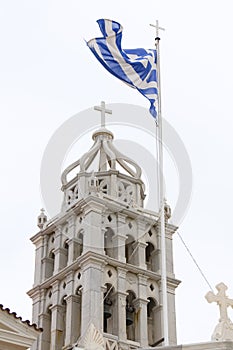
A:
{"points": [[103, 156]]}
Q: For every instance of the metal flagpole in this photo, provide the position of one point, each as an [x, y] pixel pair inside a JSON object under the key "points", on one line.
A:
{"points": [[159, 125]]}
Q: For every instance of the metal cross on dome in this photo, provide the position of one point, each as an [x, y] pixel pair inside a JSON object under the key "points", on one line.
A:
{"points": [[103, 110]]}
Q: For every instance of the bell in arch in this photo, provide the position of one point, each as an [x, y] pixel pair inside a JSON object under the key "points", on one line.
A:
{"points": [[107, 308], [129, 315]]}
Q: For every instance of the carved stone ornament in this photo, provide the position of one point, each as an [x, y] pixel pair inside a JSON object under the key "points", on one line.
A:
{"points": [[131, 280], [94, 339], [224, 329]]}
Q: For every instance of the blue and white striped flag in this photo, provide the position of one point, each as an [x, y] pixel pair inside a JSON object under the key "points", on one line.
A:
{"points": [[136, 67]]}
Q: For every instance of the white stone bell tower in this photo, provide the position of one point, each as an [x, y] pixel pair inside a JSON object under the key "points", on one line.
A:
{"points": [[98, 261]]}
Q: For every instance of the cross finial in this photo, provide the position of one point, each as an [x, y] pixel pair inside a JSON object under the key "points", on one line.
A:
{"points": [[103, 110], [41, 219], [221, 299], [224, 329], [157, 27]]}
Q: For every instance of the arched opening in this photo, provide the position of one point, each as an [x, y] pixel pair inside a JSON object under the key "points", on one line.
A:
{"points": [[129, 249], [109, 310], [62, 322], [49, 268], [103, 186], [66, 252], [78, 312], [150, 256], [151, 322], [108, 242], [79, 249], [51, 239], [130, 315]]}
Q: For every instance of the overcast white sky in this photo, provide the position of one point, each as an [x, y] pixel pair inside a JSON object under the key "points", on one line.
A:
{"points": [[47, 74]]}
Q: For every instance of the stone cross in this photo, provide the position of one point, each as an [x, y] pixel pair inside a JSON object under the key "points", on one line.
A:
{"points": [[156, 26], [103, 110], [221, 299]]}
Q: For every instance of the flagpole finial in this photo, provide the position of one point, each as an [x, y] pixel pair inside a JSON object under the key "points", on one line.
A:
{"points": [[158, 28]]}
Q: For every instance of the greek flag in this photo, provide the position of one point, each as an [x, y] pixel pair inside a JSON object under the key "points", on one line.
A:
{"points": [[136, 67]]}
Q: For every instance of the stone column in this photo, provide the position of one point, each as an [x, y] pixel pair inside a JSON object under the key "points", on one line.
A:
{"points": [[74, 247], [72, 312], [92, 295], [57, 327], [72, 241], [141, 321], [69, 312], [71, 225], [139, 195], [156, 260], [172, 315], [113, 185], [154, 255], [141, 307], [113, 321], [45, 336], [119, 247], [57, 323], [72, 319], [48, 267], [46, 262], [59, 251], [38, 260], [82, 185], [121, 304], [140, 255], [120, 238], [93, 239], [60, 259], [157, 321], [36, 307]]}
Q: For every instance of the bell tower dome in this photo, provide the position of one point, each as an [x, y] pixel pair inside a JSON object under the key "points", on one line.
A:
{"points": [[98, 261], [106, 171]]}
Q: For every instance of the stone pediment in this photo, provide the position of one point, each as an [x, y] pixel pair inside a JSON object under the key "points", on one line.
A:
{"points": [[15, 333]]}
